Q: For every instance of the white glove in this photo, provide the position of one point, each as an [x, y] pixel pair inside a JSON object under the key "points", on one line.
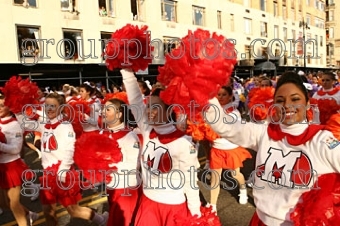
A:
{"points": [[62, 175]]}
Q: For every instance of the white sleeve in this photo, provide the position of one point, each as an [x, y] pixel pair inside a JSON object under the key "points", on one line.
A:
{"points": [[31, 125], [135, 99], [14, 140], [187, 161], [328, 151], [67, 148], [94, 115], [231, 127]]}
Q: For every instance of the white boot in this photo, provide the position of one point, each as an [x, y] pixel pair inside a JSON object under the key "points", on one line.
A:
{"points": [[31, 217], [243, 196], [213, 209]]}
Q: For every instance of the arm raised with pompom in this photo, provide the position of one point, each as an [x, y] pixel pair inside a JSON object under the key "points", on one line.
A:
{"points": [[135, 99]]}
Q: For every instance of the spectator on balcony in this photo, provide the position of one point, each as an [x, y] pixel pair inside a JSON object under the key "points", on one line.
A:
{"points": [[102, 11]]}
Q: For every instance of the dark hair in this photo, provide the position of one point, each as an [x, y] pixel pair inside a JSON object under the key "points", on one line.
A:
{"points": [[89, 88], [293, 78], [126, 112], [145, 87], [228, 89], [304, 79], [156, 93], [330, 74]]}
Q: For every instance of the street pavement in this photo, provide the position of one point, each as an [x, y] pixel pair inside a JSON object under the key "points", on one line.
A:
{"points": [[231, 213]]}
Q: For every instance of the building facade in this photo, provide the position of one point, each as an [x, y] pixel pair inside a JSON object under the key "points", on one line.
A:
{"points": [[332, 34], [259, 28]]}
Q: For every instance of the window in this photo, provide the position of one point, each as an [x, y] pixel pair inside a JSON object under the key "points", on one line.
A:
{"points": [[107, 8], [72, 47], [264, 29], [27, 44], [309, 58], [248, 51], [331, 15], [293, 35], [247, 26], [232, 28], [284, 12], [69, 5], [285, 34], [26, 3], [137, 9], [107, 36], [247, 3], [198, 15], [331, 32], [321, 40], [276, 31], [169, 10], [276, 9], [330, 2], [219, 19], [308, 19], [264, 52], [263, 4], [308, 2], [292, 4], [169, 43]]}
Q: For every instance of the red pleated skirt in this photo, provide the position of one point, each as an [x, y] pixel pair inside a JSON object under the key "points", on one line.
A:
{"points": [[228, 159], [11, 174]]}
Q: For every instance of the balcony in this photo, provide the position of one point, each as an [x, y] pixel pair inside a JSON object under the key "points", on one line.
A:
{"points": [[264, 34], [71, 15]]}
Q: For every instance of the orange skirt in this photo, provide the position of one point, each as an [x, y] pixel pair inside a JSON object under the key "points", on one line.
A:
{"points": [[228, 159]]}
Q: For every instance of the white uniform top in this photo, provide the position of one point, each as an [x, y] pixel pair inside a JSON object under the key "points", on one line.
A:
{"points": [[335, 96], [129, 146], [57, 140], [276, 195], [10, 150], [166, 165]]}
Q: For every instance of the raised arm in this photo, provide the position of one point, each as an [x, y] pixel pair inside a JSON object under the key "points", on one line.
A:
{"points": [[135, 99], [245, 134]]}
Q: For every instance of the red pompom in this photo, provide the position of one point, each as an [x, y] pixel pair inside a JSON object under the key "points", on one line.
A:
{"points": [[94, 152], [18, 92], [327, 107], [262, 96], [333, 125], [208, 218], [320, 205], [120, 96], [129, 45], [3, 138], [196, 69]]}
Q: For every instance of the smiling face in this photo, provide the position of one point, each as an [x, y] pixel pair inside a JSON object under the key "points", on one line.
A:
{"points": [[52, 108], [224, 97], [156, 111], [291, 104], [111, 114]]}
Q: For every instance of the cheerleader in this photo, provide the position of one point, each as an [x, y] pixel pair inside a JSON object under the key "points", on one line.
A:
{"points": [[285, 150], [57, 148], [328, 91], [70, 93], [165, 150], [88, 93], [122, 199], [12, 166], [226, 155]]}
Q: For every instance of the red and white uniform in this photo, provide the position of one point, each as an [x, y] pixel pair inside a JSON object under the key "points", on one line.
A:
{"points": [[165, 152], [11, 165], [91, 123], [333, 93], [123, 198], [281, 151], [57, 149]]}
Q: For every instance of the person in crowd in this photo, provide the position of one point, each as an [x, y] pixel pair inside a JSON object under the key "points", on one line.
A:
{"points": [[12, 167], [165, 149], [282, 147], [226, 155], [124, 195], [70, 93], [57, 146]]}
